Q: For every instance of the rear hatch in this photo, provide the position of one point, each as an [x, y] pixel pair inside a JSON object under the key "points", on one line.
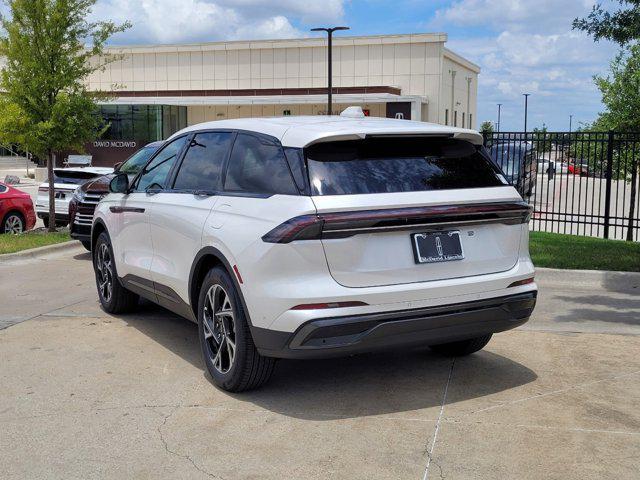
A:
{"points": [[404, 210]]}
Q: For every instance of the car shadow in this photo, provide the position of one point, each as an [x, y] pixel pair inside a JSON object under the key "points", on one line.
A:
{"points": [[82, 256], [362, 385], [603, 309]]}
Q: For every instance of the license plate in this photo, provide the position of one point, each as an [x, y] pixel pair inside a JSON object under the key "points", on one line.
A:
{"points": [[433, 247]]}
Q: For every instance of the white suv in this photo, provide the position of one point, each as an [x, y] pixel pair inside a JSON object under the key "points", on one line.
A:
{"points": [[307, 237]]}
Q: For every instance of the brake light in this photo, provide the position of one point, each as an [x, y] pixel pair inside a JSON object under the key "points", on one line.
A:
{"points": [[320, 306], [526, 281], [345, 224], [43, 189]]}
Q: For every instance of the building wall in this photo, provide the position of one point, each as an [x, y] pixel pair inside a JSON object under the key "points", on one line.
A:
{"points": [[464, 98], [414, 63]]}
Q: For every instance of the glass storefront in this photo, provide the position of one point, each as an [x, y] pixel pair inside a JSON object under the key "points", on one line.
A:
{"points": [[143, 123]]}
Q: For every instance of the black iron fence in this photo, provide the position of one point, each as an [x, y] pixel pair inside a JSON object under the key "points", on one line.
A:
{"points": [[579, 183]]}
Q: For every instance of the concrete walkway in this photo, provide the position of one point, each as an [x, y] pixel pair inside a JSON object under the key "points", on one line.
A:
{"points": [[87, 395]]}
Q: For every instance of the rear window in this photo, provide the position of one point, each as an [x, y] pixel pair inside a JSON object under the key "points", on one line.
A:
{"points": [[74, 178], [384, 165]]}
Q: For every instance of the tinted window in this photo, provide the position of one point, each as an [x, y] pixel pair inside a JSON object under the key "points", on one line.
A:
{"points": [[156, 172], [72, 177], [3, 188], [136, 161], [202, 164], [398, 165], [258, 166]]}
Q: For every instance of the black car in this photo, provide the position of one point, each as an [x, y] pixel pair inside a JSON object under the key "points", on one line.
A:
{"points": [[87, 196], [518, 163]]}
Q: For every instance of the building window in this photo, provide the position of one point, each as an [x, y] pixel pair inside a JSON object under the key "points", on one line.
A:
{"points": [[446, 117], [463, 124], [470, 120], [143, 123], [455, 118]]}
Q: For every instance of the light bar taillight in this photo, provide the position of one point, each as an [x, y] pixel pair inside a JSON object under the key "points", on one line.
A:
{"points": [[526, 281], [320, 306], [346, 224], [43, 189]]}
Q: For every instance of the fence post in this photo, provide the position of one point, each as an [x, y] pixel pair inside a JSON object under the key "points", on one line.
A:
{"points": [[607, 199]]}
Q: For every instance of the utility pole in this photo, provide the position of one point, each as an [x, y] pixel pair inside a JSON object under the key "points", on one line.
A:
{"points": [[526, 106], [329, 31], [498, 124], [570, 123]]}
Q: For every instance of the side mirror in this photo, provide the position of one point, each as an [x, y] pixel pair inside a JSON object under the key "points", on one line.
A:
{"points": [[117, 166], [119, 183]]}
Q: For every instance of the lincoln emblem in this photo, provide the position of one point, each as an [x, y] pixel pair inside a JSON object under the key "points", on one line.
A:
{"points": [[439, 246]]}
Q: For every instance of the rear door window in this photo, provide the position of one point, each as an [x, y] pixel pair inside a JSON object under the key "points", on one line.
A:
{"points": [[72, 177], [258, 165], [388, 165], [202, 164]]}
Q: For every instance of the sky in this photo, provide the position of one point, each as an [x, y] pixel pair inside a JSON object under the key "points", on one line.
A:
{"points": [[522, 46]]}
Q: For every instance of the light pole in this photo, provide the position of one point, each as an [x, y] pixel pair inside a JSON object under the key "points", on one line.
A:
{"points": [[570, 122], [329, 31], [498, 125], [526, 106]]}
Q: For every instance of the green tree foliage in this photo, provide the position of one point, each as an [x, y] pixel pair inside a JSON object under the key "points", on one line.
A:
{"points": [[541, 140], [50, 48], [486, 128], [621, 26]]}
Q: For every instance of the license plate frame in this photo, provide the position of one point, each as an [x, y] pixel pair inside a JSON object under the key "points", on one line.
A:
{"points": [[429, 247]]}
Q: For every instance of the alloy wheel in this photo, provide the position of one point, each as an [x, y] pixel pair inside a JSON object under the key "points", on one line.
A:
{"points": [[219, 328], [13, 224], [105, 272]]}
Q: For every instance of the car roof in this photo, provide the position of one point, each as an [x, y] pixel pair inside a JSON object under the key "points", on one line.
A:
{"points": [[302, 131]]}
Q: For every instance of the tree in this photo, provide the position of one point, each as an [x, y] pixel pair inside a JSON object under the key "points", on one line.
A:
{"points": [[621, 97], [486, 128], [621, 26], [541, 140], [46, 107]]}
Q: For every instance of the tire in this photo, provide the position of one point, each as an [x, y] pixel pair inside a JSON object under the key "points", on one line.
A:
{"points": [[13, 222], [86, 244], [225, 339], [461, 348], [114, 298], [45, 221], [59, 223]]}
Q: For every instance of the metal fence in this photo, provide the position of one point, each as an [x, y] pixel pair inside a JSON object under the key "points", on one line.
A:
{"points": [[579, 183]]}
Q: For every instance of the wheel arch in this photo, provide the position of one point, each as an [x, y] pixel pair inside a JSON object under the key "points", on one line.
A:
{"points": [[205, 260], [96, 230]]}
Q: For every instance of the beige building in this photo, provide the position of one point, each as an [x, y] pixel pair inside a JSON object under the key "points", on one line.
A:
{"points": [[165, 87]]}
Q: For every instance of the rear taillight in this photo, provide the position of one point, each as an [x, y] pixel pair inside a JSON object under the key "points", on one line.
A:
{"points": [[43, 189], [526, 281], [346, 224], [320, 306]]}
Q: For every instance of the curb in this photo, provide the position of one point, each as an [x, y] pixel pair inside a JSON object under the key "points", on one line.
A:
{"points": [[37, 252]]}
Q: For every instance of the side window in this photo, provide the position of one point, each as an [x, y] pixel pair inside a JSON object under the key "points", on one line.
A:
{"points": [[157, 171], [258, 166], [202, 164]]}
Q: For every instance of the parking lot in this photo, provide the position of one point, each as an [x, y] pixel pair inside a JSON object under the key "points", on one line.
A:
{"points": [[87, 395]]}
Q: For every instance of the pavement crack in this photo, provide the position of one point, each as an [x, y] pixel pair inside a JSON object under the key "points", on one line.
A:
{"points": [[177, 454], [437, 428]]}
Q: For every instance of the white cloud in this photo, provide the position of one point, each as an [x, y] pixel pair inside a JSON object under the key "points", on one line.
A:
{"points": [[171, 21], [529, 47]]}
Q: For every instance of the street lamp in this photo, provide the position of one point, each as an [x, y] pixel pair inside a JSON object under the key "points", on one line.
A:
{"points": [[526, 105], [329, 31], [570, 123], [498, 126]]}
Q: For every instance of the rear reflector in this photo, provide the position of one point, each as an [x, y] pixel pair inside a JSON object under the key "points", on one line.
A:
{"points": [[237, 272], [347, 224], [526, 281], [320, 306]]}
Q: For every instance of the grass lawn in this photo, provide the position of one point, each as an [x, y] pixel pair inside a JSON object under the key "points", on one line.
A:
{"points": [[24, 241], [583, 253]]}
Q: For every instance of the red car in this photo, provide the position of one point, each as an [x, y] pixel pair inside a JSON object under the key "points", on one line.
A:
{"points": [[16, 210]]}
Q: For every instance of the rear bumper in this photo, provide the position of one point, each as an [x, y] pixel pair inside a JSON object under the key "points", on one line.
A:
{"points": [[339, 336]]}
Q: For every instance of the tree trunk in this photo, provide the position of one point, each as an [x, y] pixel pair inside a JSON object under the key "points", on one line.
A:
{"points": [[52, 194], [632, 200]]}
